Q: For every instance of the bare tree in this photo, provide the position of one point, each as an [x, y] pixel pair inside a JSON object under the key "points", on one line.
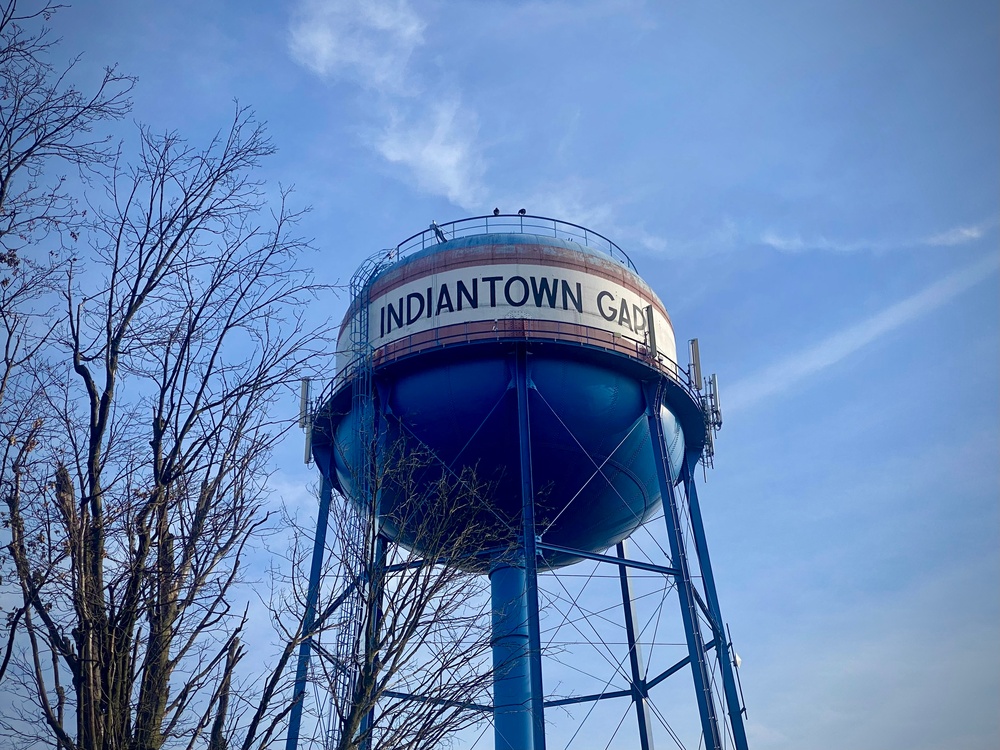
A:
{"points": [[46, 124], [129, 532], [137, 390], [404, 656], [26, 299]]}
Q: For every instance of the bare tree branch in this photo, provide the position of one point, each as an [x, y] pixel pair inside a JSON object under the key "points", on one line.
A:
{"points": [[420, 654], [46, 123], [150, 484]]}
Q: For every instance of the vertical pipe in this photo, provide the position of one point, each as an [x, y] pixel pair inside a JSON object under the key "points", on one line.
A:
{"points": [[712, 595], [308, 620], [678, 554], [638, 669], [530, 553], [512, 724]]}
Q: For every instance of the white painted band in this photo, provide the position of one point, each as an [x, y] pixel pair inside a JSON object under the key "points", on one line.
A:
{"points": [[492, 292]]}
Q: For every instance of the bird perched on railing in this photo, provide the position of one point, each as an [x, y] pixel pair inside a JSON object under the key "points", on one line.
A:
{"points": [[522, 212], [496, 211]]}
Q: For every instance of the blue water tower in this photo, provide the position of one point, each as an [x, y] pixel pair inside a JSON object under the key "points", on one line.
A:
{"points": [[530, 349]]}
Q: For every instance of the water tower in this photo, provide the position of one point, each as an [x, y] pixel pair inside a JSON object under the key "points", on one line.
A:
{"points": [[531, 349]]}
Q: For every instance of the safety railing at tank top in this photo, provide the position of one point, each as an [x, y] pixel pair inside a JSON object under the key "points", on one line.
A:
{"points": [[530, 330], [511, 224]]}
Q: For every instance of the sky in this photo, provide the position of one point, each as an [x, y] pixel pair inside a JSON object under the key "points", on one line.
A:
{"points": [[812, 190]]}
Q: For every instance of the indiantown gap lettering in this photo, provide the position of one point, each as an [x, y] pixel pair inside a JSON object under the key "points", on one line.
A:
{"points": [[493, 292], [508, 290], [515, 291]]}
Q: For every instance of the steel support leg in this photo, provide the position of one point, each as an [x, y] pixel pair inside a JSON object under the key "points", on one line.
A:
{"points": [[685, 589], [376, 579], [530, 551], [512, 721], [309, 619], [711, 594], [636, 665]]}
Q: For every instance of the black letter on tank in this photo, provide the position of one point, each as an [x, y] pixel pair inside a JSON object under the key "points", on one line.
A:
{"points": [[395, 315], [412, 316], [492, 281], [610, 314], [541, 290], [623, 317], [444, 300], [567, 295], [463, 292], [429, 305], [638, 319], [506, 291]]}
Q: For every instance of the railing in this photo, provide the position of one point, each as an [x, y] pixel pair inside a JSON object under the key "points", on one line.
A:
{"points": [[511, 224], [508, 329], [492, 224]]}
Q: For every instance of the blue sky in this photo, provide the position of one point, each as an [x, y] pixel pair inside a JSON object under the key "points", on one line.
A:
{"points": [[812, 190]]}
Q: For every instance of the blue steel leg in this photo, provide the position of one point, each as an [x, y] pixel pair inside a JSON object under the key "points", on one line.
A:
{"points": [[708, 578], [312, 598], [512, 724], [376, 581], [685, 589], [638, 669], [530, 552]]}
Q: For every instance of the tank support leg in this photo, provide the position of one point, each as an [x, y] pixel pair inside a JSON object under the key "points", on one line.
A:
{"points": [[376, 579], [685, 586], [530, 550], [718, 627], [512, 725], [638, 669], [312, 597]]}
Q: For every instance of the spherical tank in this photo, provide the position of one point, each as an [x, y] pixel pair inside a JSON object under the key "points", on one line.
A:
{"points": [[443, 327]]}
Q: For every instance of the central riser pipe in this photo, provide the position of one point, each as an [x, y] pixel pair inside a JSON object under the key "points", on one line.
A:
{"points": [[512, 715]]}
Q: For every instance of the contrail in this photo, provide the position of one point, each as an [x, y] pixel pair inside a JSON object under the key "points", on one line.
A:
{"points": [[799, 366]]}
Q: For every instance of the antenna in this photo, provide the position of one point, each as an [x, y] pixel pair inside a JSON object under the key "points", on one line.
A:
{"points": [[708, 454], [713, 420], [304, 417], [304, 402], [694, 369], [714, 405]]}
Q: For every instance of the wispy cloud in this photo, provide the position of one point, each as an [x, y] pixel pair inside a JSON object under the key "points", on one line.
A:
{"points": [[728, 236], [799, 366], [796, 243], [440, 149], [958, 235], [721, 239], [550, 16], [576, 200], [570, 199], [433, 140], [366, 41], [372, 43]]}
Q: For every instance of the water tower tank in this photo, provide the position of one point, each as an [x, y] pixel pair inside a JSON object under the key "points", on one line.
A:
{"points": [[441, 318], [529, 351]]}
